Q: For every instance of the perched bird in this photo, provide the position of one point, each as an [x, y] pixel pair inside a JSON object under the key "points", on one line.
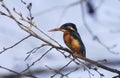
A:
{"points": [[72, 39]]}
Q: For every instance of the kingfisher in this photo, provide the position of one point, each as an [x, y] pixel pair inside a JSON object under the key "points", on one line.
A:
{"points": [[72, 39]]}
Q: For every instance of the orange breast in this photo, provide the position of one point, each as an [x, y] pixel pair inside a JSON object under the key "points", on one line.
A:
{"points": [[72, 43]]}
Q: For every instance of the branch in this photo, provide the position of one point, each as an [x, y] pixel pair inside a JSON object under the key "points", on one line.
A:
{"points": [[17, 73], [59, 70], [4, 49], [100, 65], [37, 60], [34, 50], [34, 34], [37, 71], [30, 21]]}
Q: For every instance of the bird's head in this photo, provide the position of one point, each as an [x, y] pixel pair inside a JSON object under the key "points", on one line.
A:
{"points": [[65, 27]]}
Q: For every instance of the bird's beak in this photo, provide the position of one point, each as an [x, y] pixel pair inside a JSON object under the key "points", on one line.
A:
{"points": [[56, 29]]}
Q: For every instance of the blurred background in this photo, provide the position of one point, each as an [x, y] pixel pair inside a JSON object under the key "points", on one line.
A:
{"points": [[102, 42]]}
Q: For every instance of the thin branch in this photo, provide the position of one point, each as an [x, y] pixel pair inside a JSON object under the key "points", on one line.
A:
{"points": [[32, 33], [4, 49], [29, 7], [59, 70], [4, 6], [30, 21], [37, 60], [29, 71], [47, 36], [34, 50], [101, 75], [72, 71], [23, 2], [10, 70], [100, 65], [17, 73]]}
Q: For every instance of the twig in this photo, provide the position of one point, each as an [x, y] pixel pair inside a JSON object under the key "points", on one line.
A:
{"points": [[30, 21], [4, 49], [86, 66], [29, 7], [30, 71], [48, 36], [10, 70], [32, 33], [37, 60], [72, 71], [56, 71], [4, 6], [101, 75], [100, 65], [59, 70], [34, 50], [17, 73], [23, 2]]}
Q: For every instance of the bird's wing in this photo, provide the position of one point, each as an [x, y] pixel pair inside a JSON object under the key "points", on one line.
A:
{"points": [[77, 36]]}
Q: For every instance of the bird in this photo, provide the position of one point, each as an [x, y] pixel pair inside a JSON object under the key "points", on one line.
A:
{"points": [[72, 39]]}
